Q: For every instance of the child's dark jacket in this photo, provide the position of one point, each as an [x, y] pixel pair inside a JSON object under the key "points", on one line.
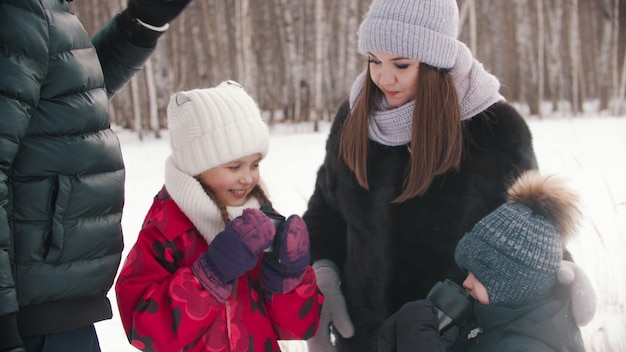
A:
{"points": [[546, 326]]}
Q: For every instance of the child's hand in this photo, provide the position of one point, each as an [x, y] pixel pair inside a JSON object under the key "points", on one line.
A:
{"points": [[281, 272], [233, 252]]}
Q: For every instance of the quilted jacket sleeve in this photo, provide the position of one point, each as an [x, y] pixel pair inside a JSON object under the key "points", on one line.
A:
{"points": [[119, 58], [22, 70]]}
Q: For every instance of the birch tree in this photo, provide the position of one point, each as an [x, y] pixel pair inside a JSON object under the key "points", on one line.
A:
{"points": [[605, 67], [540, 56], [574, 56], [614, 58], [527, 64], [321, 74], [246, 62], [554, 11], [290, 53]]}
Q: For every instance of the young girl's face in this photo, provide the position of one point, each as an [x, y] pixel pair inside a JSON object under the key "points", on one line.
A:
{"points": [[395, 76], [476, 289], [232, 182]]}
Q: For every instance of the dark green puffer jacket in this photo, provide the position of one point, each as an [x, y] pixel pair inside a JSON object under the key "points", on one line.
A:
{"points": [[61, 168]]}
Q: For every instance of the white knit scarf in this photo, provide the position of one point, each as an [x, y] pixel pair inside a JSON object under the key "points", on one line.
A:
{"points": [[476, 89], [191, 198]]}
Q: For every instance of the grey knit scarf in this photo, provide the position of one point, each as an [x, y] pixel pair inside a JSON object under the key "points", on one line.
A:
{"points": [[476, 89]]}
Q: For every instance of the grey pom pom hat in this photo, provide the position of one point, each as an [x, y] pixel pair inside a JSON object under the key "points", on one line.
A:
{"points": [[516, 251]]}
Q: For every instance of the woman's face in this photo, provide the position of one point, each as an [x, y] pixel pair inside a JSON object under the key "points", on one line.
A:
{"points": [[395, 76], [476, 289], [232, 182]]}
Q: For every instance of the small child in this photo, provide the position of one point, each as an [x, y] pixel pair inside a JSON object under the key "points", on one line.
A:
{"points": [[200, 276], [514, 259]]}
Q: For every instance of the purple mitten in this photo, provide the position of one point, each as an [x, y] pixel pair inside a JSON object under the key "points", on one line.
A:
{"points": [[281, 272], [233, 252]]}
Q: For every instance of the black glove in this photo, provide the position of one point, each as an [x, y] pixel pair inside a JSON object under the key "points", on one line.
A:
{"points": [[14, 349], [414, 328], [156, 12]]}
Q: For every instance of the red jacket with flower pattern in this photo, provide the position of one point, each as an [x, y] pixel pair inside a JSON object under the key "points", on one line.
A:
{"points": [[163, 307]]}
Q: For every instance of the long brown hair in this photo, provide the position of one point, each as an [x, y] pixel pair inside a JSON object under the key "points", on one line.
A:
{"points": [[436, 136]]}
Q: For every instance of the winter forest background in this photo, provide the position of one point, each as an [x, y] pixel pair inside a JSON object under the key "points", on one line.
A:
{"points": [[298, 57], [562, 62]]}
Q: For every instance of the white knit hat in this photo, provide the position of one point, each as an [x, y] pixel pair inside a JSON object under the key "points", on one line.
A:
{"points": [[423, 30], [211, 127]]}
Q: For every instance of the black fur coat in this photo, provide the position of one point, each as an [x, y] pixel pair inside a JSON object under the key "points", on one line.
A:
{"points": [[388, 253]]}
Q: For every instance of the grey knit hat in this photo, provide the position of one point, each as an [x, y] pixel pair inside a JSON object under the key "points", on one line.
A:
{"points": [[423, 30], [516, 250]]}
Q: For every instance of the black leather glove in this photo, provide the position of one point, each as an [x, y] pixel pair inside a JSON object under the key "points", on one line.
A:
{"points": [[156, 12]]}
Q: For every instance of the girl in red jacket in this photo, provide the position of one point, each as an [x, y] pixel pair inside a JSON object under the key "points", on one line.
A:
{"points": [[209, 270]]}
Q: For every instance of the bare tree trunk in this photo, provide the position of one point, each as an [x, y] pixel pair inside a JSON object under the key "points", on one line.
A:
{"points": [[180, 45], [554, 10], [291, 58], [467, 12], [604, 68], [463, 11], [540, 56], [614, 58], [341, 48], [216, 21], [197, 53], [621, 95], [574, 58], [246, 64], [134, 89], [152, 100], [299, 66], [352, 64], [528, 66], [321, 51]]}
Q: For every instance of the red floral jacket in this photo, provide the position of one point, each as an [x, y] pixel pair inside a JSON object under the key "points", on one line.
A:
{"points": [[163, 307]]}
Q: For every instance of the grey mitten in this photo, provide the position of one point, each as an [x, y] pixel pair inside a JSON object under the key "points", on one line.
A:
{"points": [[334, 312], [584, 298]]}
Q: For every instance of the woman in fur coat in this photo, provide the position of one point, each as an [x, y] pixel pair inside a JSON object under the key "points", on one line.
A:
{"points": [[424, 148]]}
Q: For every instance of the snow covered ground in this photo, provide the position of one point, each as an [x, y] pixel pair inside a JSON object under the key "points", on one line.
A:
{"points": [[588, 150]]}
